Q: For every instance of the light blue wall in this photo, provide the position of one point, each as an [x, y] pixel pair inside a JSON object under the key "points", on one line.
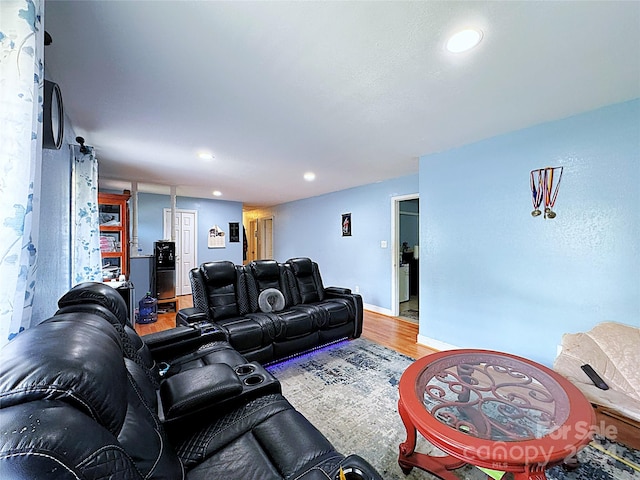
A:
{"points": [[210, 213], [312, 228], [492, 276], [54, 238]]}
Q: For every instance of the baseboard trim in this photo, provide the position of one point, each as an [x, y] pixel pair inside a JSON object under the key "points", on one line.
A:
{"points": [[435, 344], [376, 309]]}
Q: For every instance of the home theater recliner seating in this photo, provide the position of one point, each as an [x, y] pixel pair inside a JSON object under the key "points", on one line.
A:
{"points": [[82, 397], [227, 296]]}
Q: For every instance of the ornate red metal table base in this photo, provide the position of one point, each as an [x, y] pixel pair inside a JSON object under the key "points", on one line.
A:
{"points": [[492, 410], [409, 458]]}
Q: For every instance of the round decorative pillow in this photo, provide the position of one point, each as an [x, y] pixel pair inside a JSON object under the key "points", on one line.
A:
{"points": [[271, 300]]}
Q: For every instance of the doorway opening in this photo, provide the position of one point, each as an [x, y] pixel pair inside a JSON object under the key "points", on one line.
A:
{"points": [[259, 239], [406, 257]]}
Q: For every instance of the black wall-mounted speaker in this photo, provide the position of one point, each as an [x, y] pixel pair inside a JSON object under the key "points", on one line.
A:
{"points": [[53, 113]]}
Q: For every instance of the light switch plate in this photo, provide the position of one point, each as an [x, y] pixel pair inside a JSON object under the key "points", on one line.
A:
{"points": [[383, 244]]}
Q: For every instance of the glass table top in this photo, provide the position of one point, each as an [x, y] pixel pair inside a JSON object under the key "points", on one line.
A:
{"points": [[492, 396]]}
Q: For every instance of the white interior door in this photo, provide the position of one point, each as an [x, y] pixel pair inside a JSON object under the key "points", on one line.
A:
{"points": [[260, 239], [266, 239], [186, 245]]}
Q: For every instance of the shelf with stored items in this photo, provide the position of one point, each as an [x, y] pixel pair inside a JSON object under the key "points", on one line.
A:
{"points": [[113, 211]]}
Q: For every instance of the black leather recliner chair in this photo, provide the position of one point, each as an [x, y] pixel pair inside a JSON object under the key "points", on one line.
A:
{"points": [[75, 405], [227, 296], [297, 326], [221, 296], [339, 304], [178, 349]]}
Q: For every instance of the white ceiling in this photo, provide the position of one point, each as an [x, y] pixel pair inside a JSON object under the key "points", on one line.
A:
{"points": [[353, 91]]}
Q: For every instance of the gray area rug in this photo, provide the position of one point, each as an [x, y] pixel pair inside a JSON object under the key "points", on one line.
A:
{"points": [[349, 391]]}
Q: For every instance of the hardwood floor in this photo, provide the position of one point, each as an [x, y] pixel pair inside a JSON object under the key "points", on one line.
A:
{"points": [[395, 333], [392, 332]]}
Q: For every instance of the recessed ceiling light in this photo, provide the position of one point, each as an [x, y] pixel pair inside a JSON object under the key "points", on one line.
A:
{"points": [[309, 176], [464, 40], [217, 193], [205, 156]]}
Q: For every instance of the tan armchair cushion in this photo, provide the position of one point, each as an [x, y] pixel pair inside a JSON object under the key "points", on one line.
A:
{"points": [[613, 350]]}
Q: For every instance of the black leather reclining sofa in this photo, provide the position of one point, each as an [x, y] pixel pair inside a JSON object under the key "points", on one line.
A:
{"points": [[228, 296], [82, 397]]}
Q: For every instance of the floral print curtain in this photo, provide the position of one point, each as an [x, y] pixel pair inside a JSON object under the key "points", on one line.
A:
{"points": [[86, 264], [21, 93]]}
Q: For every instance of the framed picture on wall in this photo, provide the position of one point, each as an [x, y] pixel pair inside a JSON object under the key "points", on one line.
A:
{"points": [[234, 232], [346, 224], [216, 237]]}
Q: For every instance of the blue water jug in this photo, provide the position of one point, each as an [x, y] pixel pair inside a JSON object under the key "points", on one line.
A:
{"points": [[147, 309]]}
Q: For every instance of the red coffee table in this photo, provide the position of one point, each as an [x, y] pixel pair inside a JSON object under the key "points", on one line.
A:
{"points": [[492, 410]]}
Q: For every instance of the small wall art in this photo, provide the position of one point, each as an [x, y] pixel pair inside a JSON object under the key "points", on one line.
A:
{"points": [[346, 225], [234, 232], [216, 237]]}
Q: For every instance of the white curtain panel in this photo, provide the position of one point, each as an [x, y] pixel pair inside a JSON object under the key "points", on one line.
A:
{"points": [[21, 93], [86, 264]]}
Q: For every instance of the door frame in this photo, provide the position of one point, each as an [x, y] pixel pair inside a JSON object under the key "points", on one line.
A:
{"points": [[252, 241], [395, 249]]}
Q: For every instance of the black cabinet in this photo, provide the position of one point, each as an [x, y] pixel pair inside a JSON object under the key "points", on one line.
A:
{"points": [[165, 269], [414, 265], [414, 284]]}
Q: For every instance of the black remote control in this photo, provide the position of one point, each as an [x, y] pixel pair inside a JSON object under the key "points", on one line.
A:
{"points": [[595, 378]]}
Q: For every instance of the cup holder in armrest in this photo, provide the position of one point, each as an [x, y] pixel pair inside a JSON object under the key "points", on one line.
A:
{"points": [[253, 380], [353, 473], [245, 369], [250, 377]]}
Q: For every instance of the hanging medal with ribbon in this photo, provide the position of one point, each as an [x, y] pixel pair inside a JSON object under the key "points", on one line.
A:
{"points": [[543, 188], [550, 194], [537, 191]]}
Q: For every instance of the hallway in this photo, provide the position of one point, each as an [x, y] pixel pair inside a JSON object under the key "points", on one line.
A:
{"points": [[409, 309]]}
